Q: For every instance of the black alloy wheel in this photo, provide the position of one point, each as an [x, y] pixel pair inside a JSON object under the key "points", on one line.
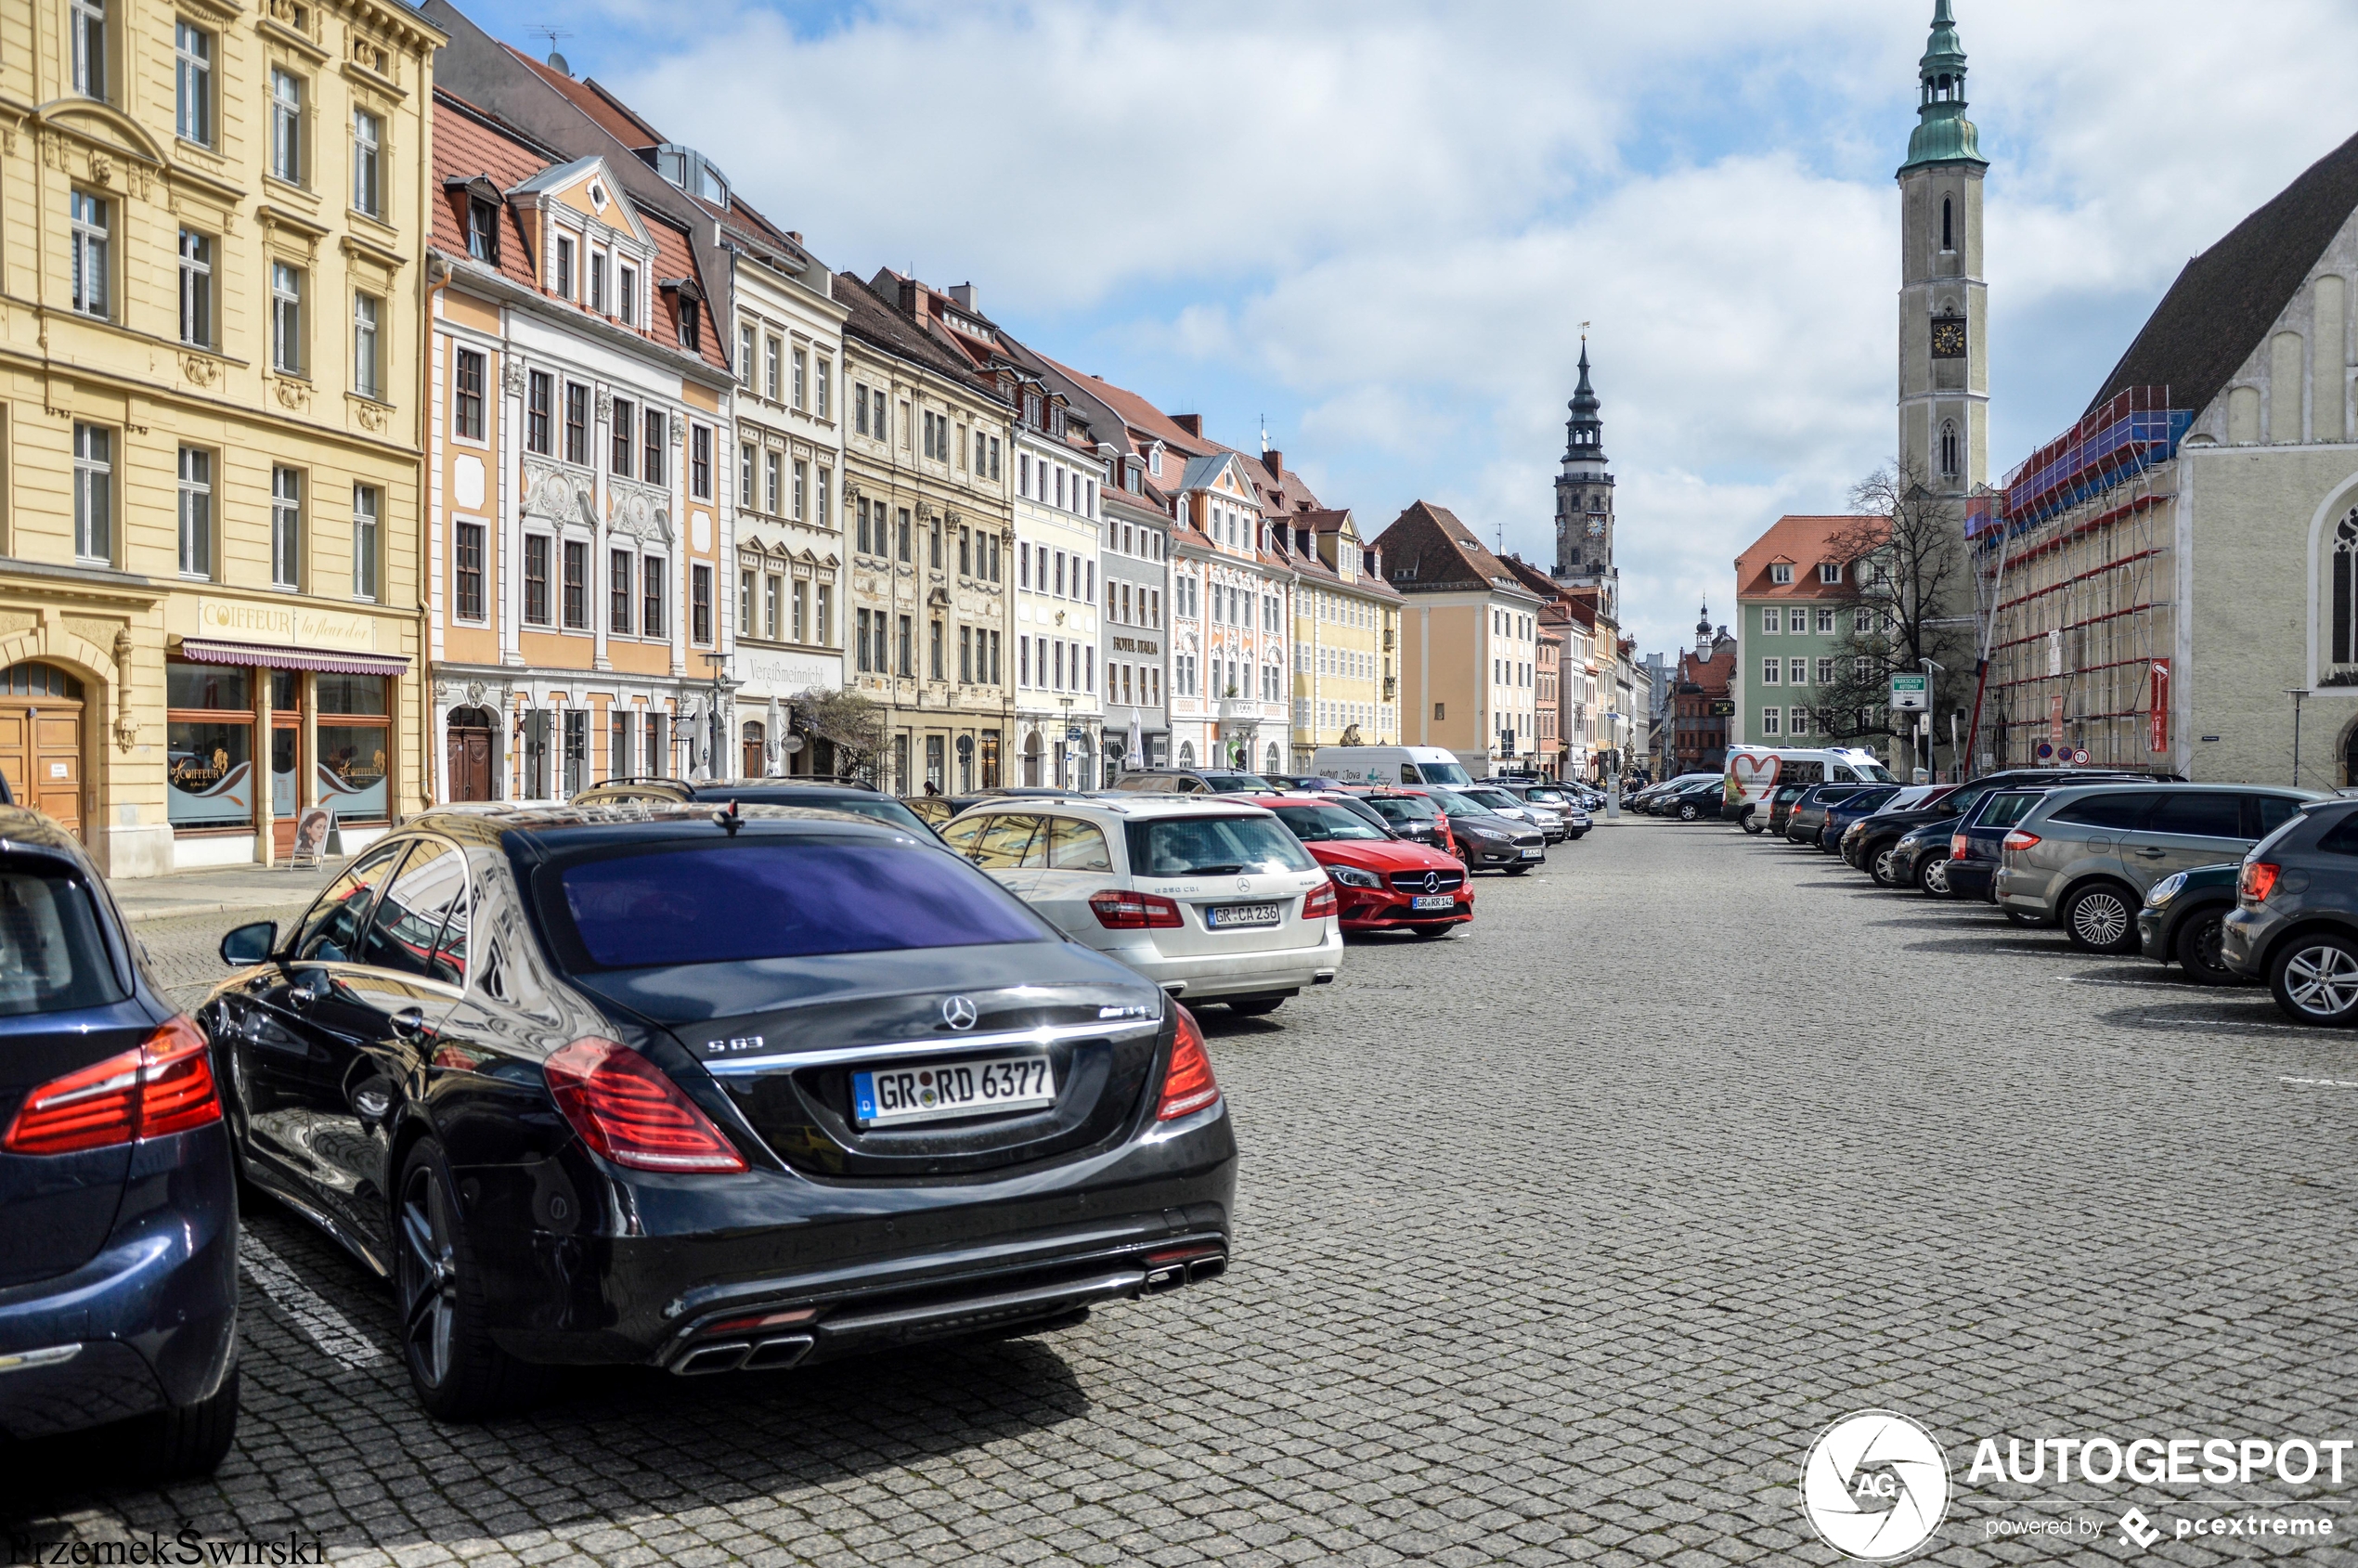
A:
{"points": [[2102, 918], [459, 1375], [2316, 980], [1879, 867], [1932, 876], [2196, 947]]}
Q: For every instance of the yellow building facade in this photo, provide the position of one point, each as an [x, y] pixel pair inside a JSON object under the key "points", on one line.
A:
{"points": [[211, 248], [1346, 639]]}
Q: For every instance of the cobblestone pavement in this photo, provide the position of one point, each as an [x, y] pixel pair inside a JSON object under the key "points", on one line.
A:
{"points": [[1558, 1243]]}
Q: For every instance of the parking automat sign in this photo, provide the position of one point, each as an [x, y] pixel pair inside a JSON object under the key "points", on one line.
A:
{"points": [[1910, 694]]}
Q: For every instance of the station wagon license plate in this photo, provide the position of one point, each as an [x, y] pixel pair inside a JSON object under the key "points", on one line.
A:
{"points": [[1432, 900], [889, 1097], [1224, 917]]}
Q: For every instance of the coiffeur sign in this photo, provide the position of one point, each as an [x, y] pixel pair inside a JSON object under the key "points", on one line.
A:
{"points": [[292, 626]]}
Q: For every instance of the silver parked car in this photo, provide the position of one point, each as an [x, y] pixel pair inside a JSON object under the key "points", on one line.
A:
{"points": [[2085, 855]]}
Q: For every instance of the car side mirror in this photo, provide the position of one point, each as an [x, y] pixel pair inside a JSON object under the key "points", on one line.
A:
{"points": [[249, 944]]}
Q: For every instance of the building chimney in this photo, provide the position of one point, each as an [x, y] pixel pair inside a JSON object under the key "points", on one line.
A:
{"points": [[795, 235], [1275, 462], [964, 294], [1191, 424]]}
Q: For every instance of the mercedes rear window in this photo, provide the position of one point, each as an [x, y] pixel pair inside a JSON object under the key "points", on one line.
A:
{"points": [[775, 898], [1215, 846], [52, 957]]}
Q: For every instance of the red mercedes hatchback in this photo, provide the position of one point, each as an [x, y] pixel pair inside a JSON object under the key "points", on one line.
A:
{"points": [[1382, 883]]}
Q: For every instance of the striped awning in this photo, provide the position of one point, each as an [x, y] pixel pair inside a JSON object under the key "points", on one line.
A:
{"points": [[267, 657]]}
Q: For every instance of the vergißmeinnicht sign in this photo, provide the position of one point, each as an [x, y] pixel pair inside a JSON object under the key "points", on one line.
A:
{"points": [[1910, 694]]}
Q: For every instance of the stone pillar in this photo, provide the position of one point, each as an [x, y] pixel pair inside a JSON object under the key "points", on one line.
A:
{"points": [[265, 824]]}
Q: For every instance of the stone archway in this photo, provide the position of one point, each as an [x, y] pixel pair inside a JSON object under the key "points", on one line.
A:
{"points": [[45, 720]]}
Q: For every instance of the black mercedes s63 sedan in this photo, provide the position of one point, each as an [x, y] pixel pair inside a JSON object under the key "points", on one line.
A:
{"points": [[710, 1091]]}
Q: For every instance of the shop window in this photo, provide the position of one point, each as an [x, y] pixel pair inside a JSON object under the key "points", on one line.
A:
{"points": [[355, 742], [209, 746]]}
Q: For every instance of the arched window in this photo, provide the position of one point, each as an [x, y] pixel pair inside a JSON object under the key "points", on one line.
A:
{"points": [[2345, 592], [1186, 753], [1949, 464], [1948, 225]]}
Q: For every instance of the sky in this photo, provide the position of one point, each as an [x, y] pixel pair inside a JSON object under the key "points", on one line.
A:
{"points": [[1380, 228]]}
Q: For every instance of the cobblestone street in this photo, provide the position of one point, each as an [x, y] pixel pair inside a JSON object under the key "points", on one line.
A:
{"points": [[1558, 1242]]}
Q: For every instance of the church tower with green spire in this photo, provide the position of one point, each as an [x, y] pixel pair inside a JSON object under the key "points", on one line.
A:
{"points": [[1944, 330]]}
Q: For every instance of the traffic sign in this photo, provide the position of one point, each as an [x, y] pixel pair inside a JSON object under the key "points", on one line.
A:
{"points": [[1911, 693], [2079, 757], [2043, 751]]}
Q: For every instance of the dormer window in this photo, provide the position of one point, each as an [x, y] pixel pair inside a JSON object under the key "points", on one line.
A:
{"points": [[483, 232], [692, 172], [1780, 573], [1829, 572]]}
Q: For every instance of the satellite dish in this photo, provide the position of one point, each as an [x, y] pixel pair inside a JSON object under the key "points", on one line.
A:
{"points": [[557, 63]]}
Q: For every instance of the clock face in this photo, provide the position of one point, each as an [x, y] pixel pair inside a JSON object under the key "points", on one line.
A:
{"points": [[1948, 338], [1596, 525]]}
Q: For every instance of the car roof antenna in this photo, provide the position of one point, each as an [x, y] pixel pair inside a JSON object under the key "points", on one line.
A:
{"points": [[728, 819]]}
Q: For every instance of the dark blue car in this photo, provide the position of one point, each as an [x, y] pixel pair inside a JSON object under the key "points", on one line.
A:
{"points": [[117, 1201], [1849, 809], [1974, 854]]}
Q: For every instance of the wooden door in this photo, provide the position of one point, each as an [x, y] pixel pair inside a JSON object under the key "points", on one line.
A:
{"points": [[470, 758], [41, 755]]}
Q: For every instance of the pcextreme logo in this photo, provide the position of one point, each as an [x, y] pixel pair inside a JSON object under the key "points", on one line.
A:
{"points": [[1875, 1485]]}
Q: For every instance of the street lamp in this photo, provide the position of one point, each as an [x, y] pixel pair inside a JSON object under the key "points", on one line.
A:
{"points": [[2295, 694], [1931, 667]]}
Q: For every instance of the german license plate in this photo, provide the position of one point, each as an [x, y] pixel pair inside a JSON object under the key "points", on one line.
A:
{"points": [[889, 1096], [1533, 854], [1432, 900], [1223, 917]]}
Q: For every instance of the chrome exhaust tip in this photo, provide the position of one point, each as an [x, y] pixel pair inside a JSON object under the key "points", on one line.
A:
{"points": [[775, 1355], [727, 1356], [1206, 1268], [1169, 1278]]}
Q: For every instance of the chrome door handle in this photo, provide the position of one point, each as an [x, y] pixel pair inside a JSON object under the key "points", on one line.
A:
{"points": [[408, 1023]]}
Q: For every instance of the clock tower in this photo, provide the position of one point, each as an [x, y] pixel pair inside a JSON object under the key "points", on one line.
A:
{"points": [[1944, 330], [1584, 503]]}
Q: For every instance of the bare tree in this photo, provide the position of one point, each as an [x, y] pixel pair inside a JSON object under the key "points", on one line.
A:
{"points": [[851, 723], [1905, 575]]}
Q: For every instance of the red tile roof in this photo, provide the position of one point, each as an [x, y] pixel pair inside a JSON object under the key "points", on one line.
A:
{"points": [[1426, 550], [1804, 540]]}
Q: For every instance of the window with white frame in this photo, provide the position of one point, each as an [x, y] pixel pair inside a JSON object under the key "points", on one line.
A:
{"points": [[192, 83], [1825, 672], [801, 373], [286, 528], [89, 220], [366, 542], [801, 484], [94, 493], [1826, 622], [1829, 572], [744, 353], [368, 163], [1798, 721], [773, 354], [597, 283], [772, 467], [196, 289], [1780, 572], [286, 125], [565, 267], [286, 319], [1772, 720], [1772, 619], [196, 512], [1772, 671], [86, 20], [1799, 673], [366, 360]]}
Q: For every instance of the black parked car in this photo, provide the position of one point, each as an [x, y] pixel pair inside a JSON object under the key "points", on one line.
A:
{"points": [[1973, 855], [709, 1090], [1806, 824], [2184, 917], [118, 1202], [2294, 924]]}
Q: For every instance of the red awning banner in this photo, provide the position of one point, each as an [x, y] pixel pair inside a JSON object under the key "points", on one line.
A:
{"points": [[265, 657]]}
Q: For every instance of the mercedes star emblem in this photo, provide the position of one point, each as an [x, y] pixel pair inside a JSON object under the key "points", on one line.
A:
{"points": [[958, 1012], [1244, 883], [1432, 882]]}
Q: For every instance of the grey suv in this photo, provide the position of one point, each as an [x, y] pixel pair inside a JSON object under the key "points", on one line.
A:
{"points": [[2083, 857], [2294, 924]]}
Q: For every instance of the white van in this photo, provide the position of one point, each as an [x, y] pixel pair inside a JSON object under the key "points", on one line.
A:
{"points": [[1389, 765], [1752, 772]]}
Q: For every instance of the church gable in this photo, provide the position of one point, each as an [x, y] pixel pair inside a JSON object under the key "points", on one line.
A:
{"points": [[2293, 386]]}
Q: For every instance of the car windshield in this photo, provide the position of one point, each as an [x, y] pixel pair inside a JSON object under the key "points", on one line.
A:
{"points": [[1494, 799], [1315, 824], [1545, 797], [1222, 784], [1214, 847], [756, 897], [1404, 807], [52, 958]]}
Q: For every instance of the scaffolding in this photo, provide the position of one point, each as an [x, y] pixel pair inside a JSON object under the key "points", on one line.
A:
{"points": [[2074, 577]]}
